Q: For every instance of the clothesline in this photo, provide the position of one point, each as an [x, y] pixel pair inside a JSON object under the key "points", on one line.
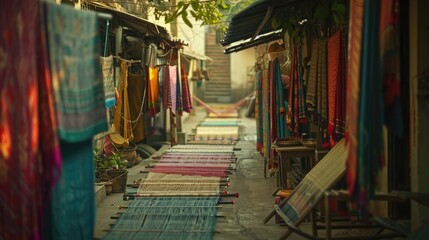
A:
{"points": [[131, 61]]}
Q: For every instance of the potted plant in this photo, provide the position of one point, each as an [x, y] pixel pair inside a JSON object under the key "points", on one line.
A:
{"points": [[111, 170]]}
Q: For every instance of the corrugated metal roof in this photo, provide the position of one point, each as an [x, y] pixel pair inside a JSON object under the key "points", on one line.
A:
{"points": [[132, 21], [252, 26]]}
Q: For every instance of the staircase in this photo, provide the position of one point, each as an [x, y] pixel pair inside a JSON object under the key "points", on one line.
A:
{"points": [[218, 88]]}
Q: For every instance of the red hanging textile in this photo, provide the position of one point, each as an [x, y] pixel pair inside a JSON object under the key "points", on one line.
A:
{"points": [[29, 152]]}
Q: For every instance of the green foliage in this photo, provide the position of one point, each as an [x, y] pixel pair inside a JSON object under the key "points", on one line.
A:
{"points": [[114, 161], [327, 9], [293, 20], [207, 12]]}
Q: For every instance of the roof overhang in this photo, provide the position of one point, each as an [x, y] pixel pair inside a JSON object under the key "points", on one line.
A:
{"points": [[252, 26], [130, 21]]}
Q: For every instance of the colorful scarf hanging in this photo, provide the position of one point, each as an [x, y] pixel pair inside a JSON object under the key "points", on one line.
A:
{"points": [[80, 105], [302, 113], [74, 44], [291, 119], [391, 64], [166, 92], [371, 110], [273, 114], [179, 106], [123, 132], [297, 117], [73, 206], [353, 92], [186, 95], [334, 75], [340, 103], [109, 86], [281, 108], [136, 97], [153, 91], [312, 83], [337, 47], [259, 112], [266, 113], [173, 87], [334, 44], [170, 88], [317, 92], [370, 146], [30, 160]]}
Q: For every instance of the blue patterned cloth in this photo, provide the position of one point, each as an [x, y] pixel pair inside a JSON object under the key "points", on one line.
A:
{"points": [[73, 38]]}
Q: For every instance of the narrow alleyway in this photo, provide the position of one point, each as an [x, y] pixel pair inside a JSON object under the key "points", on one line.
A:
{"points": [[243, 220]]}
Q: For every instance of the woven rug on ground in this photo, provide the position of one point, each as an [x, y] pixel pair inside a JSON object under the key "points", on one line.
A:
{"points": [[213, 142], [159, 184], [167, 218], [221, 119], [195, 162], [216, 132], [203, 148]]}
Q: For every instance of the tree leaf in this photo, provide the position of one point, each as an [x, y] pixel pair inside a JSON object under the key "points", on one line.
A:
{"points": [[186, 20], [194, 5]]}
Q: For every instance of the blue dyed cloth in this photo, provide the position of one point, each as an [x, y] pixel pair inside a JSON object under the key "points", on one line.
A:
{"points": [[109, 85], [73, 38], [371, 110], [73, 200], [167, 218]]}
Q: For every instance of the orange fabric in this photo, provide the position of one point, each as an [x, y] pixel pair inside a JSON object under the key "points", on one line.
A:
{"points": [[353, 90]]}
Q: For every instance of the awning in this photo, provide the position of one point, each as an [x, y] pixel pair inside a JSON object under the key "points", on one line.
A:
{"points": [[192, 54], [130, 21], [252, 26]]}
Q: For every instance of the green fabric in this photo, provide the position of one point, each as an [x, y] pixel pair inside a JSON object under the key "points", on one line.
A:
{"points": [[73, 200]]}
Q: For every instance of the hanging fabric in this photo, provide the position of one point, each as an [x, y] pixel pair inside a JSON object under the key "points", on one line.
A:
{"points": [[78, 87], [122, 134], [371, 110], [391, 68], [259, 112], [76, 73], [280, 107], [153, 91], [273, 114], [109, 86], [296, 113], [179, 106], [290, 119], [370, 119], [302, 112], [186, 95], [340, 104], [30, 159], [170, 88], [317, 91], [353, 89], [266, 118], [136, 98], [334, 74], [152, 56]]}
